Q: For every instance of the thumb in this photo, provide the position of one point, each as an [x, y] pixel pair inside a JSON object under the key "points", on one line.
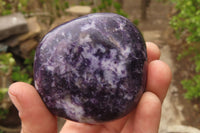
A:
{"points": [[34, 115]]}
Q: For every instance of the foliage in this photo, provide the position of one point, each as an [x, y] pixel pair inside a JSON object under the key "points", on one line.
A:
{"points": [[192, 86], [24, 74], [187, 21], [11, 6], [19, 74], [54, 8], [6, 63], [108, 5], [9, 69], [3, 91], [186, 24], [3, 113], [136, 22], [119, 10]]}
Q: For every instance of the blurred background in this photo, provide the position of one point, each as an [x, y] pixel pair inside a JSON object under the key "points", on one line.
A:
{"points": [[174, 25]]}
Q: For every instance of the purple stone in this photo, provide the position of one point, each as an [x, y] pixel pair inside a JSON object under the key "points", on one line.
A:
{"points": [[91, 69]]}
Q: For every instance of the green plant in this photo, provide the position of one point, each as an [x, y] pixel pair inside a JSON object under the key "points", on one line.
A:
{"points": [[136, 22], [55, 7], [22, 5], [3, 91], [3, 113], [19, 74], [9, 70], [11, 6], [110, 6], [5, 8], [187, 21], [24, 74], [186, 24], [192, 86], [3, 107], [6, 66], [119, 10]]}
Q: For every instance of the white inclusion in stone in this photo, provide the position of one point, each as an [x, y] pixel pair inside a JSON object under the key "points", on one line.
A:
{"points": [[125, 52], [102, 48], [114, 41], [90, 55], [50, 68], [121, 26], [36, 85], [62, 69], [88, 26], [113, 53], [68, 37], [83, 39], [109, 76], [121, 67], [128, 96], [112, 67], [63, 34], [94, 62], [71, 109]]}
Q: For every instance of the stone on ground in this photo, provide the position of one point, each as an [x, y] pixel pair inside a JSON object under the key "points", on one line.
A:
{"points": [[12, 24], [79, 10], [34, 30]]}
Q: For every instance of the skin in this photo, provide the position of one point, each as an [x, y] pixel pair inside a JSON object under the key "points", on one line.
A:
{"points": [[36, 118]]}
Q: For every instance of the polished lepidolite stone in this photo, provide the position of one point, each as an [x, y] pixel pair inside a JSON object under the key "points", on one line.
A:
{"points": [[91, 69]]}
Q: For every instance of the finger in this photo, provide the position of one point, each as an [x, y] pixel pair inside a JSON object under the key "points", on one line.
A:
{"points": [[33, 113], [153, 51], [146, 117], [159, 78]]}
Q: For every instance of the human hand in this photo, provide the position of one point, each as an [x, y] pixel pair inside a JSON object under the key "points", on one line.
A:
{"points": [[145, 118]]}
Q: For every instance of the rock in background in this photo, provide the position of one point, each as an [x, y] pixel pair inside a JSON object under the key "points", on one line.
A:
{"points": [[79, 10], [12, 24], [18, 43]]}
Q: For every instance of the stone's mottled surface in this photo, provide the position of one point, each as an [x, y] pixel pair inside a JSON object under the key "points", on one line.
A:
{"points": [[91, 69]]}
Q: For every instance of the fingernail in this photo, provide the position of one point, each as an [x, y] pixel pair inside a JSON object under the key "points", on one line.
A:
{"points": [[12, 92]]}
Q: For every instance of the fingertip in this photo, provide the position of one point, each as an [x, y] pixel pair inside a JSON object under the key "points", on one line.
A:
{"points": [[147, 114], [159, 78], [33, 113], [162, 70], [151, 99], [17, 88], [16, 92], [153, 51]]}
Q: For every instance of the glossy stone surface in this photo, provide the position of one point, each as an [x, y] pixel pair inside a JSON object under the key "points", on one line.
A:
{"points": [[91, 69]]}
